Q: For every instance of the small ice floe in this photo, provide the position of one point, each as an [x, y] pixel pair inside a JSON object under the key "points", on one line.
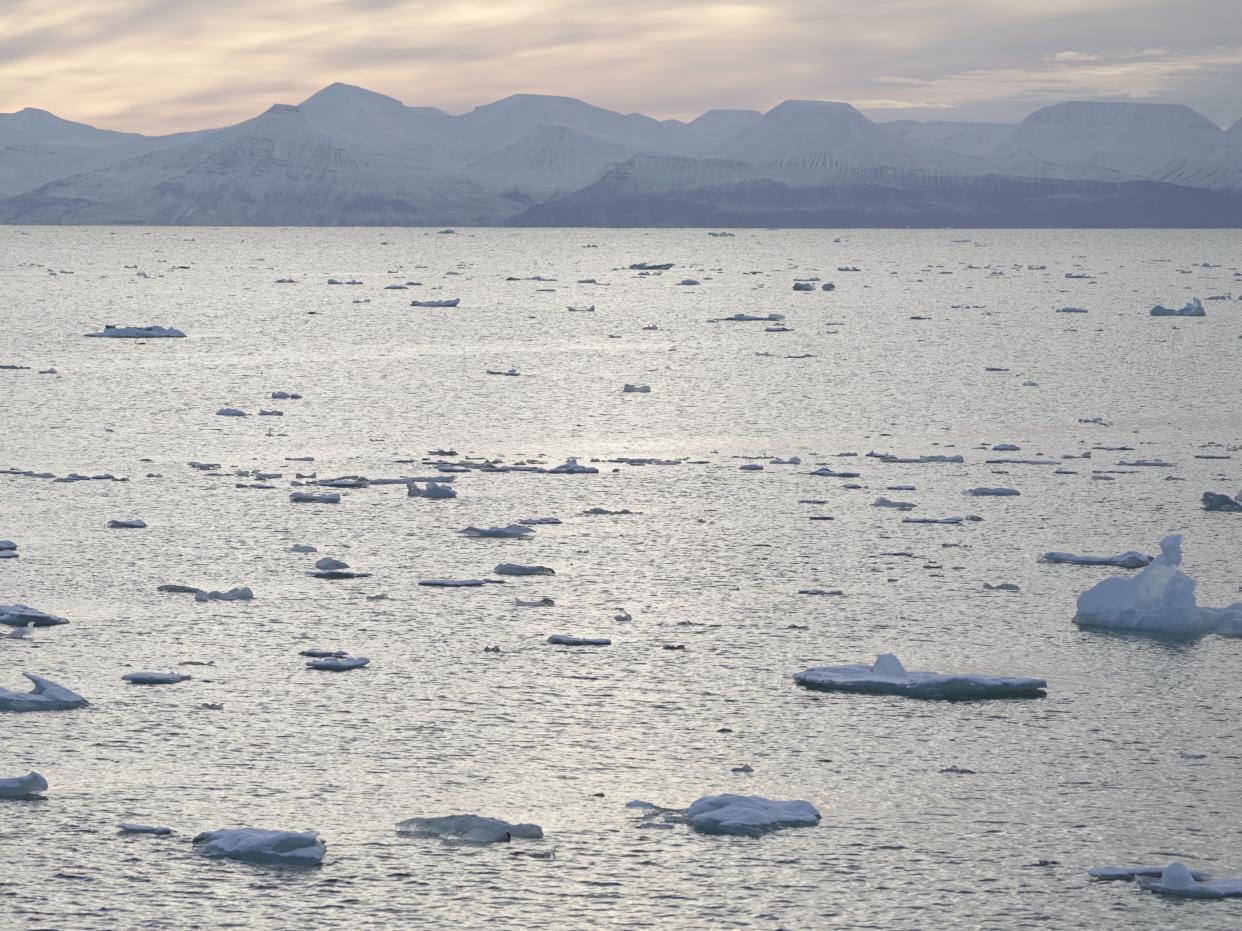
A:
{"points": [[173, 588], [469, 829], [1071, 310], [803, 286], [1127, 560], [887, 676], [238, 593], [651, 266], [882, 502], [826, 472], [605, 512], [689, 282], [434, 490], [338, 663], [155, 678], [568, 640], [749, 318], [1001, 587], [915, 460], [932, 520], [303, 548], [129, 827], [19, 615], [533, 602], [792, 460], [508, 532], [138, 332], [449, 302], [749, 815], [572, 467], [204, 466], [1159, 601], [512, 568], [1145, 463], [512, 373], [285, 396], [323, 654], [1214, 501], [230, 412], [23, 787], [636, 389], [581, 308], [329, 568], [254, 845], [820, 591], [122, 524], [539, 521], [1193, 308], [1176, 880], [451, 583], [8, 549], [985, 492], [1127, 873], [45, 696], [751, 467], [306, 497]]}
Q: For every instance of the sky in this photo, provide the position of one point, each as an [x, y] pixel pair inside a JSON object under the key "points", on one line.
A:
{"points": [[160, 66]]}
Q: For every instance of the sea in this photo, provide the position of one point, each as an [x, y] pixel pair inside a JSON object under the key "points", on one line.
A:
{"points": [[934, 814]]}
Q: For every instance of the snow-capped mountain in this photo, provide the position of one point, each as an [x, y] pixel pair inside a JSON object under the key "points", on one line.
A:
{"points": [[347, 155]]}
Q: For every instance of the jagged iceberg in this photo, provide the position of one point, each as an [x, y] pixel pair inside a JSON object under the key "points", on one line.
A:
{"points": [[469, 829], [749, 815], [45, 696], [888, 677], [27, 786], [1159, 600], [254, 845]]}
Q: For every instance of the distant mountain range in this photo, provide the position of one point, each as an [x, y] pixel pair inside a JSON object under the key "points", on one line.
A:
{"points": [[351, 157]]}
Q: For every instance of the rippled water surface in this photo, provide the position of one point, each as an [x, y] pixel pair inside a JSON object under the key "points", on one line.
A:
{"points": [[1133, 756]]}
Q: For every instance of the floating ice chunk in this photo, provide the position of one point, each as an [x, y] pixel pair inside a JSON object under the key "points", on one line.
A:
{"points": [[45, 696], [749, 318], [985, 492], [749, 815], [238, 593], [572, 467], [450, 302], [1159, 600], [534, 602], [129, 827], [803, 286], [825, 471], [435, 490], [230, 412], [932, 520], [581, 308], [253, 845], [19, 615], [7, 545], [887, 676], [511, 568], [539, 521], [1214, 501], [120, 524], [27, 786], [204, 466], [303, 548], [915, 460], [1126, 560], [1153, 463], [285, 396], [1113, 873], [328, 563], [1176, 880], [155, 678], [306, 497], [689, 282], [338, 663], [1193, 308], [508, 532], [651, 266], [751, 467], [568, 640], [882, 502], [636, 389], [792, 460], [469, 829], [451, 583], [138, 332], [1001, 587], [1005, 448]]}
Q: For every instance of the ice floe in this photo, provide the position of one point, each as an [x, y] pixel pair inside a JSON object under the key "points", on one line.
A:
{"points": [[1215, 501], [306, 497], [749, 815], [449, 302], [155, 678], [254, 845], [887, 676], [1127, 560], [568, 640], [238, 593], [512, 568], [138, 332], [19, 615], [338, 663], [435, 490], [127, 524], [45, 696], [130, 827], [469, 829], [27, 786], [508, 532], [1192, 308]]}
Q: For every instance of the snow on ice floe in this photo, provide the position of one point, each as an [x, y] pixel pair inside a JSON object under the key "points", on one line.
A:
{"points": [[138, 332], [45, 696], [508, 532], [338, 663], [512, 568], [254, 845], [469, 829], [25, 787], [306, 497], [1215, 501], [1159, 600], [568, 640], [1193, 308], [155, 678], [887, 676], [1127, 560], [19, 615], [435, 490], [127, 524], [749, 815], [130, 827]]}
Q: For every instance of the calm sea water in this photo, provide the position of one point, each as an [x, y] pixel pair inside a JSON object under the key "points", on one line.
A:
{"points": [[1132, 757]]}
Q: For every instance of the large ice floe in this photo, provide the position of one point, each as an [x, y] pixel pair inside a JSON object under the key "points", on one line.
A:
{"points": [[749, 815], [45, 696], [19, 615], [1127, 560], [469, 829], [1160, 600], [887, 676], [254, 845], [27, 786], [139, 332], [1176, 880], [1215, 501]]}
